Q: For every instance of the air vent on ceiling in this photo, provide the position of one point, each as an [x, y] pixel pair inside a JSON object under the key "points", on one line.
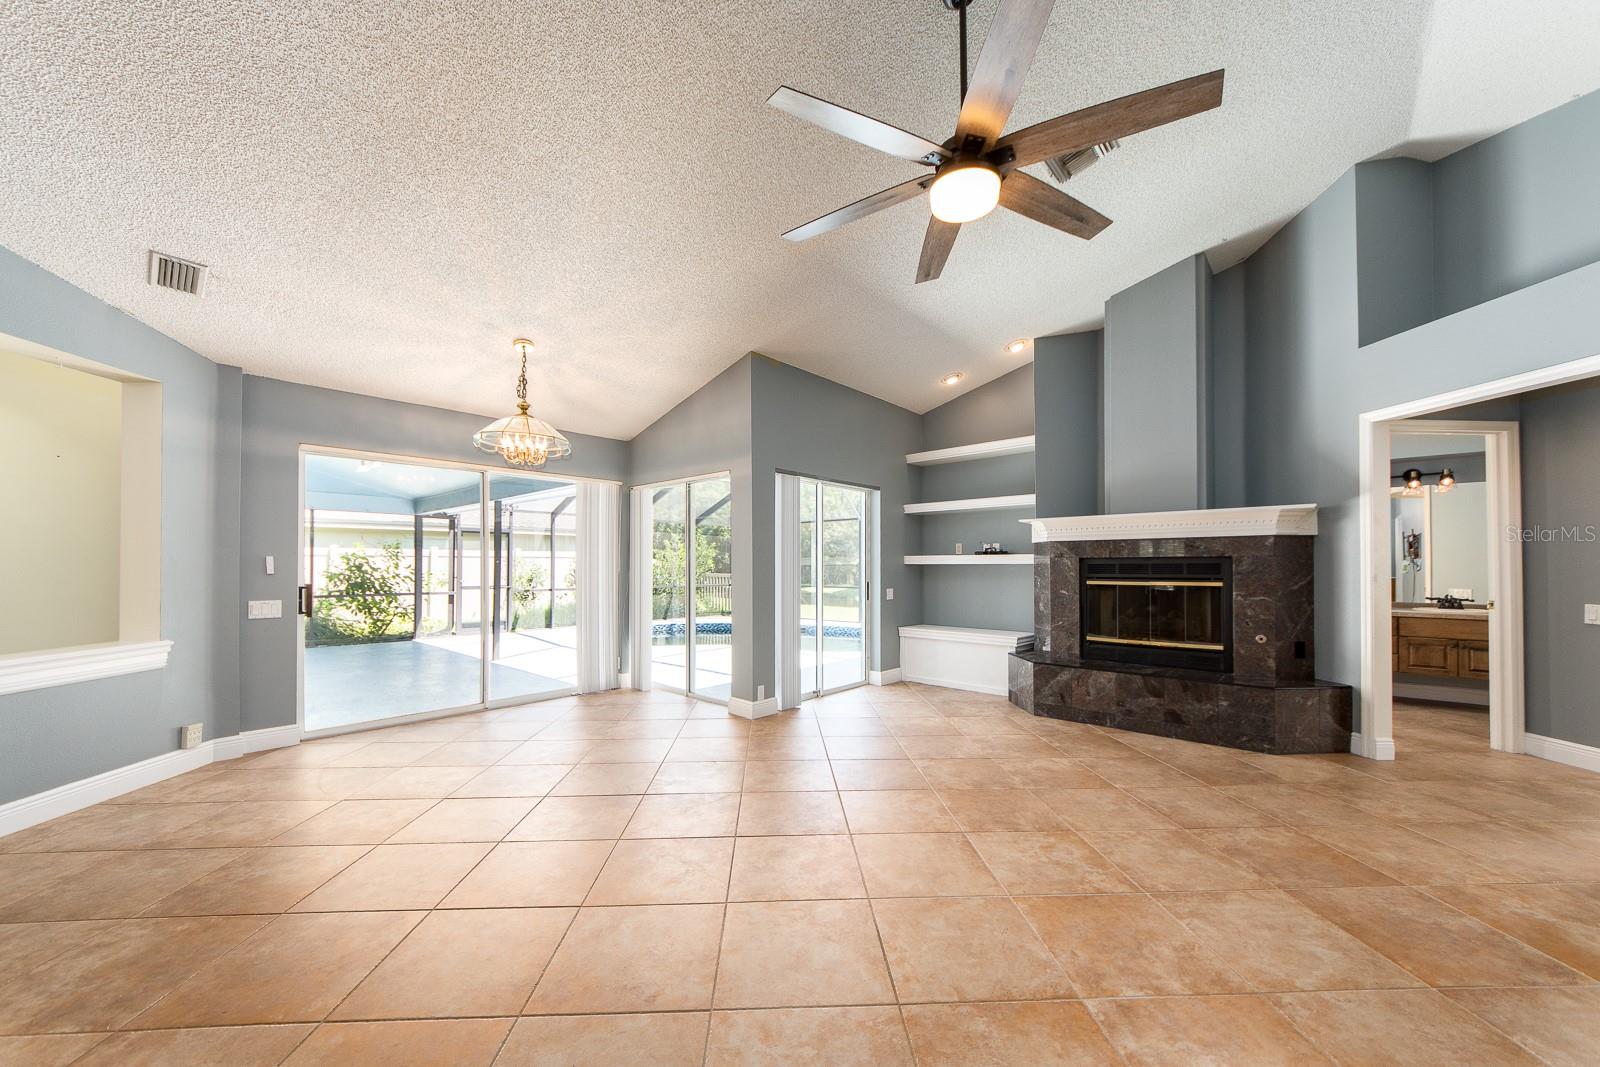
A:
{"points": [[170, 272], [1065, 166]]}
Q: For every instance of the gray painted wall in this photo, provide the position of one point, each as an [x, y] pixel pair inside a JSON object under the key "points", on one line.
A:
{"points": [[1068, 449], [1156, 392], [706, 432], [990, 412], [279, 417], [1561, 490], [49, 737], [1394, 247], [1309, 379], [1229, 345], [809, 425], [1518, 208]]}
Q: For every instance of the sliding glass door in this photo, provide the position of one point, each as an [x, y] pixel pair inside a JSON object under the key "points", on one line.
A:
{"points": [[690, 534], [534, 645], [834, 550], [398, 578]]}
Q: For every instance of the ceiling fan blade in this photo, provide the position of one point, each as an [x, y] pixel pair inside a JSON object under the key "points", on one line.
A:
{"points": [[1113, 119], [860, 209], [1002, 66], [936, 245], [1043, 202], [856, 126]]}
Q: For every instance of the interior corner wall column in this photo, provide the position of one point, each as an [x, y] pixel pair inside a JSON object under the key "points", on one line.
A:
{"points": [[598, 567], [1068, 445], [1157, 392]]}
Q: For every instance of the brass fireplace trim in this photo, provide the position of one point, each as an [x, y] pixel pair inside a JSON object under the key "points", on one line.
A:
{"points": [[1152, 584], [1148, 643]]}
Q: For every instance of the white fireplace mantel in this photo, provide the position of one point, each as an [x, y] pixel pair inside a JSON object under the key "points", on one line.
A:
{"points": [[1278, 520]]}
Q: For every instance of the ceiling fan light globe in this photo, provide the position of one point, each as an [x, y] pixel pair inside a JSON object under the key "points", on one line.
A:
{"points": [[964, 192]]}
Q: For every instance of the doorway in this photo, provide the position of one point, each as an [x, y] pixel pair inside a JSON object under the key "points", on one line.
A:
{"points": [[686, 560], [1383, 642], [397, 580], [835, 586]]}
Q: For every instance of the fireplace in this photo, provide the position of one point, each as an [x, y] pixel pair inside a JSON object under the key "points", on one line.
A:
{"points": [[1170, 612], [1195, 625]]}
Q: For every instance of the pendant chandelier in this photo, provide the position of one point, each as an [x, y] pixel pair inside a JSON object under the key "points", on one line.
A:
{"points": [[522, 440]]}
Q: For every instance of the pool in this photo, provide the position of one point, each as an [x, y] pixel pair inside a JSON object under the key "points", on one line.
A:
{"points": [[673, 628]]}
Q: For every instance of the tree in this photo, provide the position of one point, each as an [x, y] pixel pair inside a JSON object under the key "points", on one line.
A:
{"points": [[361, 598]]}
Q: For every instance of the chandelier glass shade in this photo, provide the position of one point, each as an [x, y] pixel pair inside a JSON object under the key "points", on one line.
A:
{"points": [[522, 440]]}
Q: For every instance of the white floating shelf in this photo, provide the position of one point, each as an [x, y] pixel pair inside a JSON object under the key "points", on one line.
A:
{"points": [[1011, 446], [982, 503], [990, 560]]}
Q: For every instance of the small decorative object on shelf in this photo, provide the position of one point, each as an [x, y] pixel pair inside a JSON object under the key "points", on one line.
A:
{"points": [[990, 548]]}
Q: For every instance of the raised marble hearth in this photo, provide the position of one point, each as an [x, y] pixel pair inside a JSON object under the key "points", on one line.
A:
{"points": [[1262, 695]]}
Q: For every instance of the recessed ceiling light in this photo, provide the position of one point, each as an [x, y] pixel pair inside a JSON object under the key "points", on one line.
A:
{"points": [[1017, 346], [952, 378]]}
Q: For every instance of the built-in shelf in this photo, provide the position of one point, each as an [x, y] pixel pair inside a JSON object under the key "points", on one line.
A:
{"points": [[982, 503], [989, 560], [1011, 446]]}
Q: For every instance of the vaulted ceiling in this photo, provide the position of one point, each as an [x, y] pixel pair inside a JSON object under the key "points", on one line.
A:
{"points": [[388, 192]]}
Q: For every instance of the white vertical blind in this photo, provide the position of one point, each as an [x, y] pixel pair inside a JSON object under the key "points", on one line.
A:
{"points": [[787, 591], [598, 567], [639, 602]]}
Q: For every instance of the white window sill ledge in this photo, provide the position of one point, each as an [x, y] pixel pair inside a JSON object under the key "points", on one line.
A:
{"points": [[25, 671]]}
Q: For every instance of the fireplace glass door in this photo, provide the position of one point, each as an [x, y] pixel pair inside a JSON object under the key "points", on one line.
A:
{"points": [[1172, 612]]}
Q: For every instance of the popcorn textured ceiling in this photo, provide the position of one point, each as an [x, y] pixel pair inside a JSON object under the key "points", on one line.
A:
{"points": [[388, 192]]}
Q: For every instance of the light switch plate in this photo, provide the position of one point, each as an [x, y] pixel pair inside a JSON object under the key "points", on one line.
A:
{"points": [[272, 565], [888, 594], [264, 609], [1591, 614]]}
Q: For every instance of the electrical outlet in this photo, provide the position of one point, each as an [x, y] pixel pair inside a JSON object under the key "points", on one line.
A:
{"points": [[272, 565], [761, 692], [264, 609], [1591, 614], [959, 546], [189, 736], [888, 594]]}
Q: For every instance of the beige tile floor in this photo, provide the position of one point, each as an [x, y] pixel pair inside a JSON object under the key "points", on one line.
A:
{"points": [[890, 876]]}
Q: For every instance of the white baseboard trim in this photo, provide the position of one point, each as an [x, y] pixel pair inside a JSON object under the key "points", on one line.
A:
{"points": [[752, 709], [1385, 748], [970, 687], [888, 677], [75, 796], [1586, 757]]}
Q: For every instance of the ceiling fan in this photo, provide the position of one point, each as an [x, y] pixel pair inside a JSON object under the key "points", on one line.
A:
{"points": [[978, 168]]}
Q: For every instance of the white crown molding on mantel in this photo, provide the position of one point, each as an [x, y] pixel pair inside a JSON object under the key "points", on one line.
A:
{"points": [[63, 666], [1276, 520]]}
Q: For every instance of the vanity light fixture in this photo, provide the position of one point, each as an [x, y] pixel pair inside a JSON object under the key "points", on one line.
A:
{"points": [[952, 378], [1411, 480]]}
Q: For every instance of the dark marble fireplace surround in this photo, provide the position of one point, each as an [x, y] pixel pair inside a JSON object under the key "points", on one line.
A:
{"points": [[1270, 702]]}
